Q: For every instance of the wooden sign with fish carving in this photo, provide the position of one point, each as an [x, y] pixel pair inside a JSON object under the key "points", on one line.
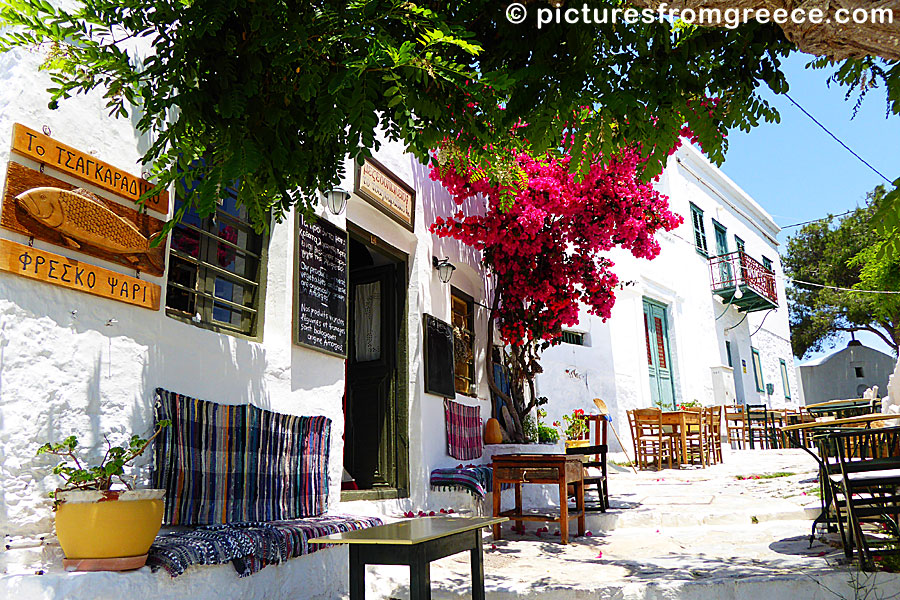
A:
{"points": [[37, 205], [70, 273], [85, 167]]}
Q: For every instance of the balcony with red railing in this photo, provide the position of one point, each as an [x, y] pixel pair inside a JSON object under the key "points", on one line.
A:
{"points": [[738, 271]]}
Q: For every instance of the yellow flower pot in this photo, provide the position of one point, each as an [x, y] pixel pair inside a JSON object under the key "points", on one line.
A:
{"points": [[105, 525], [577, 443]]}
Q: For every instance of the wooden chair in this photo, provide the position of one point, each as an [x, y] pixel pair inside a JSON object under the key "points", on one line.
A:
{"points": [[734, 426], [697, 438], [758, 429], [651, 443], [594, 459], [715, 434], [863, 467]]}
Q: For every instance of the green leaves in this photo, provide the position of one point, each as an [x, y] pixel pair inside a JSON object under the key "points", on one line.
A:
{"points": [[848, 254], [275, 95], [97, 477]]}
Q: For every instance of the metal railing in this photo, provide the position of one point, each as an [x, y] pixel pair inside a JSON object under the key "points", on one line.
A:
{"points": [[734, 269]]}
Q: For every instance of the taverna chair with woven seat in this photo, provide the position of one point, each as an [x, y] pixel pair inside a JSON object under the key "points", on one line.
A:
{"points": [[734, 426], [715, 434], [652, 444]]}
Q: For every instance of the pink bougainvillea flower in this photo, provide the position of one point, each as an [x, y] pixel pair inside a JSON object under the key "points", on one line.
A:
{"points": [[599, 553]]}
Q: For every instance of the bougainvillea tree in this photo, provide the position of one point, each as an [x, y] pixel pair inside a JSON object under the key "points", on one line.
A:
{"points": [[547, 252]]}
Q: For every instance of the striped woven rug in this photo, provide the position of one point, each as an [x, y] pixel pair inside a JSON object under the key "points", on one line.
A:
{"points": [[229, 464]]}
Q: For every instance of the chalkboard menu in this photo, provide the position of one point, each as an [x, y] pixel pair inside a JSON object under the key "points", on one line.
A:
{"points": [[439, 364], [321, 280]]}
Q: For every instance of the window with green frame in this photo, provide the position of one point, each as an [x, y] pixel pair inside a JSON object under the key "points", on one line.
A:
{"points": [[699, 230], [462, 317], [767, 263], [784, 379], [739, 243], [216, 266], [757, 371]]}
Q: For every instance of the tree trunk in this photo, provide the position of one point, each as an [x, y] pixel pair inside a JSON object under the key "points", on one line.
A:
{"points": [[829, 38]]}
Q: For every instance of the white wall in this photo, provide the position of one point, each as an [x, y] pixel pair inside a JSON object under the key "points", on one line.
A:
{"points": [[613, 364], [63, 374]]}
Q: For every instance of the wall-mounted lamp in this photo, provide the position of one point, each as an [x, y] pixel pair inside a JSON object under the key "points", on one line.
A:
{"points": [[444, 268], [336, 200]]}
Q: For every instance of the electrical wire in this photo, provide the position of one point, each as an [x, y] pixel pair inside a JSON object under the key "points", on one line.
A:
{"points": [[846, 147]]}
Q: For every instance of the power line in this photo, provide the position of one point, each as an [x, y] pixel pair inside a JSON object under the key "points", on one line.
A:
{"points": [[834, 287], [846, 147], [828, 218]]}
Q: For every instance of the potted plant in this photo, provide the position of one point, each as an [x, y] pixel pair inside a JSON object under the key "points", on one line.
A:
{"points": [[575, 430], [101, 528]]}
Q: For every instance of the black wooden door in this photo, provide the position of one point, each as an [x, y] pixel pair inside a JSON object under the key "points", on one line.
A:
{"points": [[370, 439]]}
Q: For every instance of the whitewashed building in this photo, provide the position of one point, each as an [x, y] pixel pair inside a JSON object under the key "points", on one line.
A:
{"points": [[229, 322], [845, 373], [678, 331]]}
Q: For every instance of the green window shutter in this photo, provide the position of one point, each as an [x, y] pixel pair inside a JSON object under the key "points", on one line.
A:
{"points": [[767, 263], [757, 371], [699, 230], [784, 379]]}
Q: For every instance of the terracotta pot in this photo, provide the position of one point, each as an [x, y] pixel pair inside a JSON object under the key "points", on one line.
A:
{"points": [[492, 433], [109, 525]]}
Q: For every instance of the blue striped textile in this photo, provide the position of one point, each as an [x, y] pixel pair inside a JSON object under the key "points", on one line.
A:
{"points": [[228, 464], [249, 547], [476, 480]]}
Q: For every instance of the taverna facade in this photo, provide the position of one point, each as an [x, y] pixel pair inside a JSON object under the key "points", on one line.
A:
{"points": [[679, 332], [236, 318]]}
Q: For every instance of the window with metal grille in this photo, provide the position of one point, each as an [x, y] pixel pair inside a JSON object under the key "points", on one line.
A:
{"points": [[784, 379], [216, 266], [699, 230], [573, 337], [462, 318]]}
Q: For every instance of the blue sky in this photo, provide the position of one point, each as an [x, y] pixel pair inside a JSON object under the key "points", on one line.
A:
{"points": [[797, 172]]}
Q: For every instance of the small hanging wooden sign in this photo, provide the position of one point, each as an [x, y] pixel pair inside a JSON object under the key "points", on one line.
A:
{"points": [[70, 273], [85, 167]]}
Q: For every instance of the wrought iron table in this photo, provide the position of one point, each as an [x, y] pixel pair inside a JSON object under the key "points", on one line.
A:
{"points": [[415, 542]]}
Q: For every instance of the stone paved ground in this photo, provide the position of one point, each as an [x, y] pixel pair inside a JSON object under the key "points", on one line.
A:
{"points": [[692, 533]]}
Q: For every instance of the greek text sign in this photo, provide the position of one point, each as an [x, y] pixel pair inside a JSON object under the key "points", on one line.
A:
{"points": [[69, 273], [386, 191], [85, 167]]}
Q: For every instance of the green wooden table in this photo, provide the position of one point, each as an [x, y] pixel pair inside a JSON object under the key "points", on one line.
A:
{"points": [[414, 542]]}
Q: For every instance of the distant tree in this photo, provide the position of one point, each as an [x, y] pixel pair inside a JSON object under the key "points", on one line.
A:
{"points": [[844, 254]]}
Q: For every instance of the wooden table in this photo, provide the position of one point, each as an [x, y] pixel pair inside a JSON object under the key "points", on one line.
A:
{"points": [[801, 428], [415, 542], [857, 420], [553, 469], [682, 419]]}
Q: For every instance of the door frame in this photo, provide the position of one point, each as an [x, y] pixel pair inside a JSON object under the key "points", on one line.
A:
{"points": [[401, 396], [650, 302]]}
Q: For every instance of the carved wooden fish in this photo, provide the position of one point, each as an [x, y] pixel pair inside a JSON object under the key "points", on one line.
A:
{"points": [[79, 216]]}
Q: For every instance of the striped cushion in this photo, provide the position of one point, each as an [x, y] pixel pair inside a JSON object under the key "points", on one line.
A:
{"points": [[228, 464]]}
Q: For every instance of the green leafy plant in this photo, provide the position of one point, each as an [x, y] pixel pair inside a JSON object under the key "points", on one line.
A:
{"points": [[100, 477], [274, 95], [576, 425], [547, 435]]}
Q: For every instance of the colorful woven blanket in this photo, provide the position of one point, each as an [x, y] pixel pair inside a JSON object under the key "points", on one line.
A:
{"points": [[476, 480], [238, 464], [248, 546], [464, 439]]}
